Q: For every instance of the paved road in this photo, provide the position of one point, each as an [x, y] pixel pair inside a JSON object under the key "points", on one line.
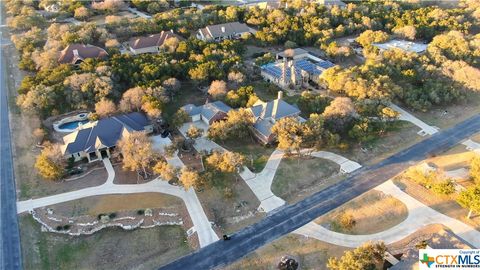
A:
{"points": [[10, 255], [292, 217]]}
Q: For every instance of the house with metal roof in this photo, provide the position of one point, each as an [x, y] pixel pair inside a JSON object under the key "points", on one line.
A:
{"points": [[76, 53], [95, 141], [404, 45], [219, 32], [294, 69], [266, 114], [152, 43], [208, 113]]}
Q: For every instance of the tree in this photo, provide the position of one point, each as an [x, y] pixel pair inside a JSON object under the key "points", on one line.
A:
{"points": [[49, 163], [188, 178], [236, 77], [179, 118], [290, 134], [137, 151], [226, 162], [475, 169], [218, 89], [368, 37], [238, 124], [470, 199], [105, 107], [166, 171], [406, 32], [171, 44], [366, 257], [172, 85], [194, 132], [132, 99], [339, 114], [81, 13]]}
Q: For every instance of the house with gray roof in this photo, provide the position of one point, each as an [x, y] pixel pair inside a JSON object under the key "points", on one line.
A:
{"points": [[152, 43], [96, 140], [295, 68], [219, 32], [266, 114], [208, 113]]}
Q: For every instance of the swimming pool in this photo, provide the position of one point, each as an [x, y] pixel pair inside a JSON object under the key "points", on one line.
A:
{"points": [[72, 125]]}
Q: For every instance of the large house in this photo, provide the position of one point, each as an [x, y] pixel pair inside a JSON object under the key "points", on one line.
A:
{"points": [[296, 69], [208, 113], [96, 140], [76, 53], [219, 32], [268, 113], [152, 43], [404, 45]]}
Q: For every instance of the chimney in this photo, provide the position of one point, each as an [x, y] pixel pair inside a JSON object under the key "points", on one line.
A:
{"points": [[275, 105], [223, 29], [171, 30], [75, 54], [280, 95]]}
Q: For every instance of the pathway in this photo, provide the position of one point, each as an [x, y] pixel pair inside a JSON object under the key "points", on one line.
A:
{"points": [[406, 116], [139, 13], [206, 235], [419, 215], [261, 183]]}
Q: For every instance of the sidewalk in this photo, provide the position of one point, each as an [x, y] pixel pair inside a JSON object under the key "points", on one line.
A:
{"points": [[406, 116], [419, 216]]}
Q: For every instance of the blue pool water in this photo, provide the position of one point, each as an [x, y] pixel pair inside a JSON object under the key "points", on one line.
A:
{"points": [[72, 125]]}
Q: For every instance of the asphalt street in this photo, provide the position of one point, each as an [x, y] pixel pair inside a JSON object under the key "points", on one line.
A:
{"points": [[291, 217], [10, 255]]}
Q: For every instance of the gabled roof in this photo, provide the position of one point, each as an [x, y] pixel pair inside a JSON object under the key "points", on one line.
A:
{"points": [[275, 109], [225, 29], [74, 52], [208, 110], [106, 132], [152, 40], [315, 68]]}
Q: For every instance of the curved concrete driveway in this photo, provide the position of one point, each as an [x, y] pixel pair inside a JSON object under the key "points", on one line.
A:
{"points": [[202, 226], [419, 215]]}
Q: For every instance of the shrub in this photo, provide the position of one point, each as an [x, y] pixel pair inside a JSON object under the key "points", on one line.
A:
{"points": [[228, 193], [99, 217], [347, 221], [66, 227], [112, 215], [445, 187], [59, 228], [140, 212]]}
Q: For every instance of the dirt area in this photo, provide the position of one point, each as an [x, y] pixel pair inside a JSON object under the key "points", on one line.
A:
{"points": [[233, 212], [456, 112], [39, 187], [256, 154], [310, 253], [455, 158], [435, 236], [403, 135], [297, 177], [372, 212], [107, 249], [100, 19], [128, 177], [444, 204], [188, 94], [113, 203]]}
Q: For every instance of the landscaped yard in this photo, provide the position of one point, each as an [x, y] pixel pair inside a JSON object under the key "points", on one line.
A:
{"points": [[230, 203], [370, 213], [256, 154], [114, 203], [188, 93], [107, 249], [298, 177], [310, 253], [444, 204]]}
